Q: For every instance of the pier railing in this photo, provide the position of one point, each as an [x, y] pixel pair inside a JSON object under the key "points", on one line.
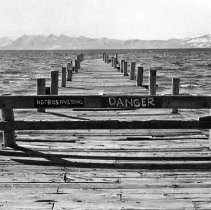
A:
{"points": [[99, 102]]}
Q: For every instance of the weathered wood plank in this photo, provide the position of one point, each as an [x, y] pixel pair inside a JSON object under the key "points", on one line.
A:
{"points": [[109, 124], [93, 101]]}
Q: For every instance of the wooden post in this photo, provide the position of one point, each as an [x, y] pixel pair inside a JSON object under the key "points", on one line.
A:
{"points": [[79, 64], [47, 90], [152, 82], [116, 56], [64, 72], [79, 58], [103, 56], [115, 62], [108, 59], [9, 132], [139, 76], [69, 71], [54, 82], [76, 66], [132, 70], [125, 69], [122, 66], [175, 91], [112, 61], [210, 135], [69, 75], [41, 90], [78, 61]]}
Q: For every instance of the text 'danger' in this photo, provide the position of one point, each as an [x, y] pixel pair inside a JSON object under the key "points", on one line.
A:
{"points": [[121, 102]]}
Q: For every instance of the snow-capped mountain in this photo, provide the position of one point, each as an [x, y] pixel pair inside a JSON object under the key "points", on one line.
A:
{"points": [[53, 42], [203, 41]]}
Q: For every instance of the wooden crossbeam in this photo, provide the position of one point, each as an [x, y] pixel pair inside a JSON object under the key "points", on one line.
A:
{"points": [[105, 124], [114, 101]]}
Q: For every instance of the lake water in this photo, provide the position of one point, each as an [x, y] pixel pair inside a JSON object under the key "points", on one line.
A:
{"points": [[19, 69]]}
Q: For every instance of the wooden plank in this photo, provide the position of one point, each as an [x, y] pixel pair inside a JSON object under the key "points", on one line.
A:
{"points": [[171, 205], [134, 101], [107, 124], [127, 133]]}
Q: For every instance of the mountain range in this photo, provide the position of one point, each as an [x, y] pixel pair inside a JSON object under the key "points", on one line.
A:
{"points": [[63, 42]]}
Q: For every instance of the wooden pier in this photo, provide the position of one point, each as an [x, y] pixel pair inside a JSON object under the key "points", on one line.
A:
{"points": [[105, 169]]}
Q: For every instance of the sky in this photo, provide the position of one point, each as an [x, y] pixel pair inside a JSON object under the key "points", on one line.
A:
{"points": [[118, 19]]}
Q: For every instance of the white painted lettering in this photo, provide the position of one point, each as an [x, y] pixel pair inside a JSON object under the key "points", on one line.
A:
{"points": [[130, 103], [137, 103], [143, 102], [38, 102], [112, 101], [119, 102], [151, 102]]}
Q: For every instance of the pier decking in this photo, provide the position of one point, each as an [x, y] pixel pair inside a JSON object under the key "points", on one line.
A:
{"points": [[105, 169]]}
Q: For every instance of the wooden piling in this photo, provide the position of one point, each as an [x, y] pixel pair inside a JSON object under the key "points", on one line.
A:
{"points": [[125, 69], [116, 56], [69, 75], [139, 76], [80, 57], [47, 90], [210, 135], [76, 66], [122, 65], [9, 132], [64, 73], [79, 64], [115, 63], [41, 90], [112, 61], [54, 82], [103, 56], [108, 59], [78, 61], [69, 71], [175, 91], [152, 82], [132, 70]]}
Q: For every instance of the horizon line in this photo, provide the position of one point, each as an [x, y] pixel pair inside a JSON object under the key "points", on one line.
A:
{"points": [[78, 36]]}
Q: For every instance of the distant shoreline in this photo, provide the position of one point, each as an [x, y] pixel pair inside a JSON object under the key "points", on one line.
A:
{"points": [[206, 48], [63, 42]]}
